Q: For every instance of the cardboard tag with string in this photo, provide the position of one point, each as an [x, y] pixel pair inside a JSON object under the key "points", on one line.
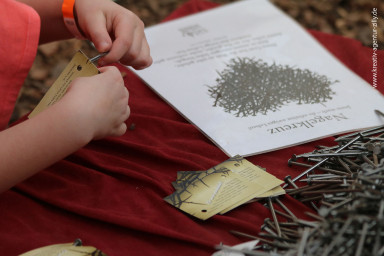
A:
{"points": [[79, 66]]}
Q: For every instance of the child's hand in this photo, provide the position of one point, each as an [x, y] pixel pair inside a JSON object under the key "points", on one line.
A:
{"points": [[115, 29], [100, 103]]}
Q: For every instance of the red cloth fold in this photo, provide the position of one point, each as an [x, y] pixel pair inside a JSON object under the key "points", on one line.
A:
{"points": [[110, 193]]}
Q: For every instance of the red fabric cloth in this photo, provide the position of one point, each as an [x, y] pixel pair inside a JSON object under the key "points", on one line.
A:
{"points": [[110, 193], [19, 30]]}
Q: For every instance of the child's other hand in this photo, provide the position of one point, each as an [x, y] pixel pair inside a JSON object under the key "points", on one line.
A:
{"points": [[115, 29], [101, 103]]}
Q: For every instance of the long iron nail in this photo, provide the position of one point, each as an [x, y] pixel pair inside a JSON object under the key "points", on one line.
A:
{"points": [[289, 181], [291, 162], [272, 209], [326, 159], [285, 208], [97, 57]]}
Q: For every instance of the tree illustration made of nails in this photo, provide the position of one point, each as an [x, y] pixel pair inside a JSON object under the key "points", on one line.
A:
{"points": [[247, 87]]}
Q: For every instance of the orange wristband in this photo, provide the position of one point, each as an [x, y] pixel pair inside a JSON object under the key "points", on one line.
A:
{"points": [[69, 18]]}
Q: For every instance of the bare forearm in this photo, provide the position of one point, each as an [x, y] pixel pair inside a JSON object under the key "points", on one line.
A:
{"points": [[38, 143], [52, 25]]}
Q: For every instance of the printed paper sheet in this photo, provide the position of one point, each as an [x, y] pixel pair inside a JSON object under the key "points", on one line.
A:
{"points": [[253, 80]]}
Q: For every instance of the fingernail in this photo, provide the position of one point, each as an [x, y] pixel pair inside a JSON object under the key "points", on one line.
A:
{"points": [[103, 46]]}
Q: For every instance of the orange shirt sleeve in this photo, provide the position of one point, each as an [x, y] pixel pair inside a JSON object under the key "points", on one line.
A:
{"points": [[19, 38]]}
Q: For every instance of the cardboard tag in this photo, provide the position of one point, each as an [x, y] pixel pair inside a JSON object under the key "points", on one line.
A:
{"points": [[64, 250], [221, 188], [79, 66], [256, 175]]}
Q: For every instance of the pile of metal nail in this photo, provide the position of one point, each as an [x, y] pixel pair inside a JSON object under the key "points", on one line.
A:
{"points": [[345, 186]]}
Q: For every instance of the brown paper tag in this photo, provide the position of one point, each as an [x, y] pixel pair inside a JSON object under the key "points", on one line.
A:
{"points": [[64, 250], [79, 66], [221, 188]]}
